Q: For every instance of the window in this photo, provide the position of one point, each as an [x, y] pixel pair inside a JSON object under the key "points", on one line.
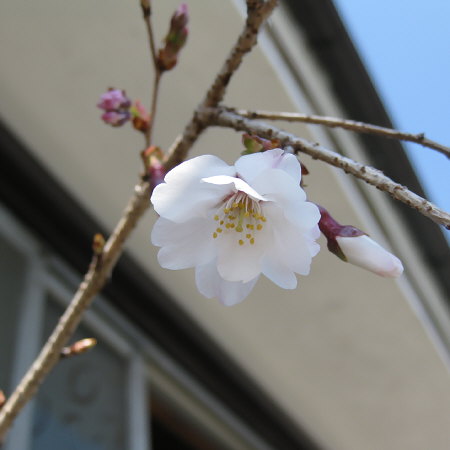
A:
{"points": [[126, 393]]}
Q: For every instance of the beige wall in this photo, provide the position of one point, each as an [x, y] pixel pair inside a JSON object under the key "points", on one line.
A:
{"points": [[343, 354]]}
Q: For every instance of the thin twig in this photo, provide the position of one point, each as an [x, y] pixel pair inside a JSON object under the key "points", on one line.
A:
{"points": [[146, 10], [156, 84], [225, 118], [352, 125], [93, 282], [147, 13], [257, 13]]}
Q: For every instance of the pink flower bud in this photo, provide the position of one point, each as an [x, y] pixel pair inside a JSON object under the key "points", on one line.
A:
{"points": [[157, 173], [353, 245], [364, 252], [114, 118], [152, 158], [180, 17], [114, 100], [174, 40], [140, 117]]}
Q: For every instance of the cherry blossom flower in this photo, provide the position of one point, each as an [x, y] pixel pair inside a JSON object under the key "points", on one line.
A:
{"points": [[233, 223]]}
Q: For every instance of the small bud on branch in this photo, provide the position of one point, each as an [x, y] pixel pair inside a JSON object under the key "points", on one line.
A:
{"points": [[354, 246], [254, 144], [116, 105], [140, 117], [174, 40], [146, 8], [78, 347], [152, 158], [98, 244]]}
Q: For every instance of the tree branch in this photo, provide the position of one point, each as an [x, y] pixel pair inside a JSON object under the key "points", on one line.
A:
{"points": [[352, 125], [94, 280], [224, 118], [257, 12]]}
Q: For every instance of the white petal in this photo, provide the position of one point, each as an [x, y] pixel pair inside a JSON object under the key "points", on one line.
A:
{"points": [[183, 245], [278, 273], [366, 253], [183, 195], [280, 188], [211, 284], [293, 247], [239, 185], [241, 262], [250, 166]]}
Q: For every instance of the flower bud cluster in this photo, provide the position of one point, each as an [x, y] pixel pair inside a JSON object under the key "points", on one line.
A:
{"points": [[116, 105], [119, 110], [175, 39]]}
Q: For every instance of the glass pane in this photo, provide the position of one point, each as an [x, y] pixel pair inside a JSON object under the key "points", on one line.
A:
{"points": [[81, 405], [12, 276]]}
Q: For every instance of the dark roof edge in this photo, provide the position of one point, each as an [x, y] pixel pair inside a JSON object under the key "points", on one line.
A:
{"points": [[330, 43]]}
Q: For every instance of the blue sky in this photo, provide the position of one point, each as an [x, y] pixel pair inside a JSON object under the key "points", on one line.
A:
{"points": [[405, 45]]}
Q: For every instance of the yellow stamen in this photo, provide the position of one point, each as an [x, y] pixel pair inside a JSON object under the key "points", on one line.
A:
{"points": [[214, 235], [241, 242], [252, 241], [259, 226]]}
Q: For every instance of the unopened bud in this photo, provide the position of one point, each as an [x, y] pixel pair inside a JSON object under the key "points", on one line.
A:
{"points": [[140, 117], [146, 7], [116, 105], [115, 119], [152, 158], [78, 347], [175, 39], [180, 18], [354, 246], [98, 244], [114, 100], [255, 144]]}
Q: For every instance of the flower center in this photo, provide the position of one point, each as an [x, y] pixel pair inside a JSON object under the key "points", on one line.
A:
{"points": [[240, 214]]}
